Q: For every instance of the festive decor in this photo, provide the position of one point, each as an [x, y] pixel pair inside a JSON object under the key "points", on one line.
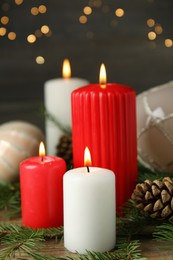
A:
{"points": [[41, 182], [104, 119], [89, 208], [155, 128], [155, 198], [18, 240], [18, 141], [57, 97]]}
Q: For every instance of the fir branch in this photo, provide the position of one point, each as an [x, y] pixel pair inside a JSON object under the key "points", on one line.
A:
{"points": [[164, 232], [27, 240], [50, 117], [10, 198], [124, 251], [53, 232], [16, 238]]}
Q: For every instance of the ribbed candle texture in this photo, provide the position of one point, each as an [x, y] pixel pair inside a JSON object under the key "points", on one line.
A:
{"points": [[104, 119]]}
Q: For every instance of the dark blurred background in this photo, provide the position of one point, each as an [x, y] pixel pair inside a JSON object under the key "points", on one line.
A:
{"points": [[134, 42]]}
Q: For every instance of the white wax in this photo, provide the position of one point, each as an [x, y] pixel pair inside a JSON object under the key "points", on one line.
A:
{"points": [[89, 210], [57, 99]]}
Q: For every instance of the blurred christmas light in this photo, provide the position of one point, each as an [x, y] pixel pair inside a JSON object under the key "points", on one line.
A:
{"points": [[4, 19], [83, 19], [12, 36], [150, 22], [18, 2], [38, 33], [3, 31], [42, 9], [119, 12], [151, 36], [168, 43], [45, 29], [158, 29], [87, 10], [34, 11], [31, 38], [40, 60]]}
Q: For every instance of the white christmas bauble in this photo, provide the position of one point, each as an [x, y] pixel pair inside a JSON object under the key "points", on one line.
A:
{"points": [[155, 127], [18, 141]]}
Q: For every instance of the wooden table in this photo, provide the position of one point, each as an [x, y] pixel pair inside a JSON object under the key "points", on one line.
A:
{"points": [[150, 249]]}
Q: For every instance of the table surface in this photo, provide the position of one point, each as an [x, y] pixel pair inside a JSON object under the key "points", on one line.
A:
{"points": [[150, 249]]}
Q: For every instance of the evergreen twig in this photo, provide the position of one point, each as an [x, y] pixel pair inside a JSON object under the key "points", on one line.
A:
{"points": [[15, 238], [164, 232], [10, 198]]}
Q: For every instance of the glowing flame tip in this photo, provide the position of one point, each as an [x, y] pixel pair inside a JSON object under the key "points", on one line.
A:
{"points": [[66, 69]]}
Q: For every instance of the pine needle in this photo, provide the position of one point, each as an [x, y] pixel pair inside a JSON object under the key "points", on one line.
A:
{"points": [[27, 240], [164, 232], [10, 198]]}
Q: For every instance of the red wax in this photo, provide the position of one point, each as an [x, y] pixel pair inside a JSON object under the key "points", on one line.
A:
{"points": [[104, 119], [41, 184]]}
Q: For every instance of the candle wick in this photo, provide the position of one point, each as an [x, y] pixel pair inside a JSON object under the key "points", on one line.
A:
{"points": [[42, 158], [88, 170]]}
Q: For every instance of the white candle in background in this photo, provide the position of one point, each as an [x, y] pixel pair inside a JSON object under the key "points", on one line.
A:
{"points": [[57, 98], [89, 210]]}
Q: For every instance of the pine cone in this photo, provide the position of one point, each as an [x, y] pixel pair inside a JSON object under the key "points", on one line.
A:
{"points": [[155, 199], [64, 149]]}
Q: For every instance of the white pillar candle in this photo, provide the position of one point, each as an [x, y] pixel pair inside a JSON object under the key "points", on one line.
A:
{"points": [[57, 99], [89, 210]]}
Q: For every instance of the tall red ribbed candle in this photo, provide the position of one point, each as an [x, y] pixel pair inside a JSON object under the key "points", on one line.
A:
{"points": [[104, 119]]}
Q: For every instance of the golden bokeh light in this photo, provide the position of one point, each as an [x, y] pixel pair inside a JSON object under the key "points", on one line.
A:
{"points": [[45, 29], [12, 36], [34, 11], [150, 22], [158, 29], [42, 9], [4, 19], [168, 43], [3, 31], [38, 33], [87, 10], [40, 60], [151, 36], [119, 12], [31, 38], [18, 2], [83, 19]]}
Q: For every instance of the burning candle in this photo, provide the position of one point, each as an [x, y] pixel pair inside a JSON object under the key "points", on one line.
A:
{"points": [[104, 117], [57, 97], [41, 183], [89, 209]]}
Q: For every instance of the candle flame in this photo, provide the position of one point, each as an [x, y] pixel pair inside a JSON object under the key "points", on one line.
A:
{"points": [[42, 150], [66, 69], [102, 76], [87, 157]]}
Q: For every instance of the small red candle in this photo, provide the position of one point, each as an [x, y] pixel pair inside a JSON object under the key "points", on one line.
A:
{"points": [[41, 183], [104, 119]]}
